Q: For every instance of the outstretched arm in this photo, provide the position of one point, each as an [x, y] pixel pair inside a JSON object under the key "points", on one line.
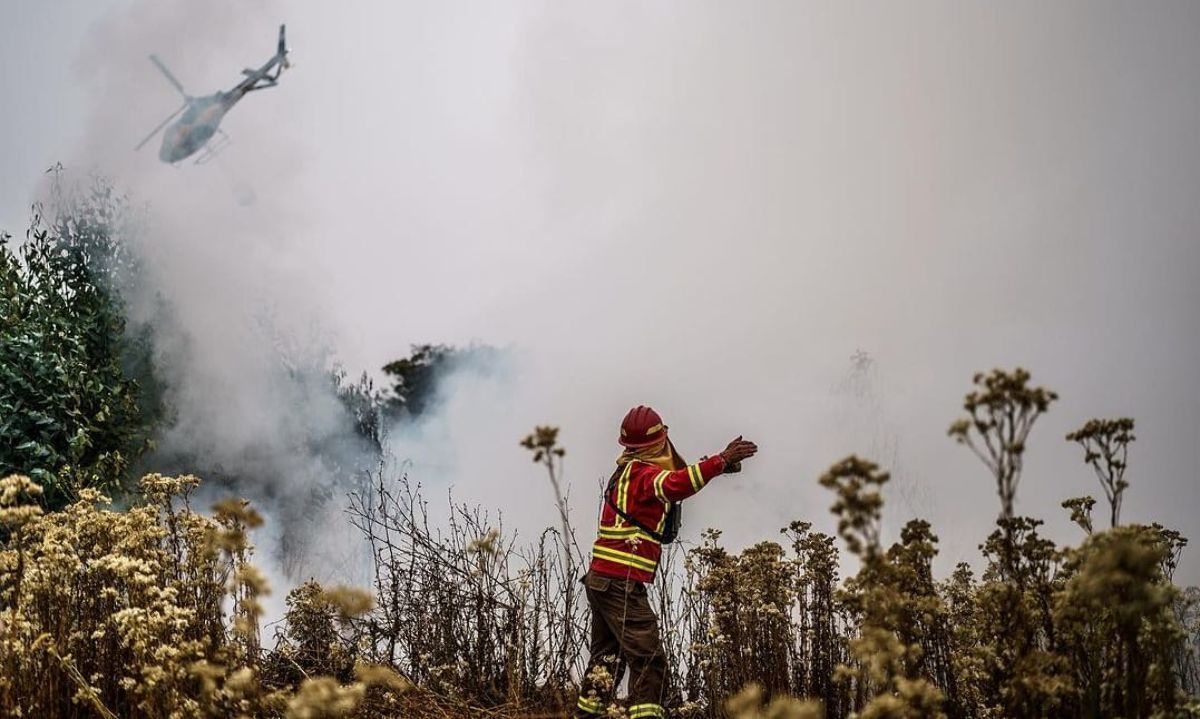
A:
{"points": [[683, 483]]}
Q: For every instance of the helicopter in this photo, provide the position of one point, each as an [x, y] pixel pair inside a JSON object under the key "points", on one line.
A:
{"points": [[202, 115]]}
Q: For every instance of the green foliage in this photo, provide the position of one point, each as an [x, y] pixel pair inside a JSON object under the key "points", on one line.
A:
{"points": [[70, 415], [414, 378]]}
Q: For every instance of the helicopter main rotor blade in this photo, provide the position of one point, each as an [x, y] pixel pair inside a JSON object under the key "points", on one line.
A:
{"points": [[161, 125], [170, 78]]}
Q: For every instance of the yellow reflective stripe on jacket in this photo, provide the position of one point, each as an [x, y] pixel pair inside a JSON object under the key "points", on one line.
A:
{"points": [[591, 706], [641, 711], [618, 532], [658, 486], [623, 492], [625, 558], [625, 533], [696, 477]]}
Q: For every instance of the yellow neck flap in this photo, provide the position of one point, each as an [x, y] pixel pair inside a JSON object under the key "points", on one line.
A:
{"points": [[662, 455]]}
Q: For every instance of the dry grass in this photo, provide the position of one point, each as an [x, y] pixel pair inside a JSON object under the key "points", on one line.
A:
{"points": [[154, 611]]}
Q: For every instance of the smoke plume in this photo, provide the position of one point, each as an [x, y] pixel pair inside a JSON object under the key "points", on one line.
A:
{"points": [[703, 207]]}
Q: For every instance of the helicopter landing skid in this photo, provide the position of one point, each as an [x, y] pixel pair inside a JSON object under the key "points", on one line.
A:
{"points": [[212, 149]]}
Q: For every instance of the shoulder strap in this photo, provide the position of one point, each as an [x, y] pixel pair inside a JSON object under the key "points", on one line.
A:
{"points": [[608, 498]]}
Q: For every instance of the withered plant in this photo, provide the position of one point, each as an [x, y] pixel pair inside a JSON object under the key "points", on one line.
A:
{"points": [[462, 610], [1001, 413], [107, 613], [155, 610], [896, 611], [1105, 445]]}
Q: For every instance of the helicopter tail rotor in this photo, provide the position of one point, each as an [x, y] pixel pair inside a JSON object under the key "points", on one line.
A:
{"points": [[281, 51]]}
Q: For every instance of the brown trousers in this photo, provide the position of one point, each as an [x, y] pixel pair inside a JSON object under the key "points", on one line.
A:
{"points": [[624, 633]]}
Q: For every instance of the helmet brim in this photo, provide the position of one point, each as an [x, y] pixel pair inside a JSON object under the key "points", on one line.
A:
{"points": [[643, 443]]}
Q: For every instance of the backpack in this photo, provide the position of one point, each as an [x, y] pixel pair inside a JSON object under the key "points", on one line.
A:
{"points": [[670, 527]]}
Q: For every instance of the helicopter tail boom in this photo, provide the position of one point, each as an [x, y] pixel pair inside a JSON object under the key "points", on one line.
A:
{"points": [[267, 75]]}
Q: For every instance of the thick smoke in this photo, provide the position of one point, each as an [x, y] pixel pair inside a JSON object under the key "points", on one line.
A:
{"points": [[242, 338], [706, 208]]}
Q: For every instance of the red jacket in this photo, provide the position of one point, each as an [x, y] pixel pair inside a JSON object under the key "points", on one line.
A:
{"points": [[644, 492]]}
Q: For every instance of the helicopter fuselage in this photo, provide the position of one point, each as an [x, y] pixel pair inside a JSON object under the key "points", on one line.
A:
{"points": [[197, 125]]}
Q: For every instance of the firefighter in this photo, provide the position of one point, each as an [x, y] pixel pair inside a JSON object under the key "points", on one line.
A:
{"points": [[639, 506]]}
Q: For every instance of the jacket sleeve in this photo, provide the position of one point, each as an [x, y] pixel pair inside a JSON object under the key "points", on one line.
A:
{"points": [[683, 483]]}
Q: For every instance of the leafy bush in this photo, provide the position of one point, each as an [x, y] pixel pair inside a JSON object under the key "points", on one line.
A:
{"points": [[71, 417]]}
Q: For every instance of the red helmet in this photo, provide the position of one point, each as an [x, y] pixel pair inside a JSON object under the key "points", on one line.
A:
{"points": [[642, 427]]}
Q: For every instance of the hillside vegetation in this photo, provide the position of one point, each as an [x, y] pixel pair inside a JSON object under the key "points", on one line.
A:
{"points": [[119, 598]]}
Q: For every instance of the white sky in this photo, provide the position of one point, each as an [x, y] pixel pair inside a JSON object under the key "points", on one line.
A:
{"points": [[704, 206]]}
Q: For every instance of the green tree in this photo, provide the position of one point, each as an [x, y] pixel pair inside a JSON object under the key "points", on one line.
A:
{"points": [[414, 379], [71, 416]]}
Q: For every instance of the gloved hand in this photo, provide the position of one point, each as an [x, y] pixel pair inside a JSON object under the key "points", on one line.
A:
{"points": [[738, 450]]}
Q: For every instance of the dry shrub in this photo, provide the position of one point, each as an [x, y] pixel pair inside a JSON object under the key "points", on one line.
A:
{"points": [[463, 611], [749, 703], [312, 642], [1094, 631], [120, 613], [743, 603], [1116, 615], [111, 609], [761, 618], [154, 611]]}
